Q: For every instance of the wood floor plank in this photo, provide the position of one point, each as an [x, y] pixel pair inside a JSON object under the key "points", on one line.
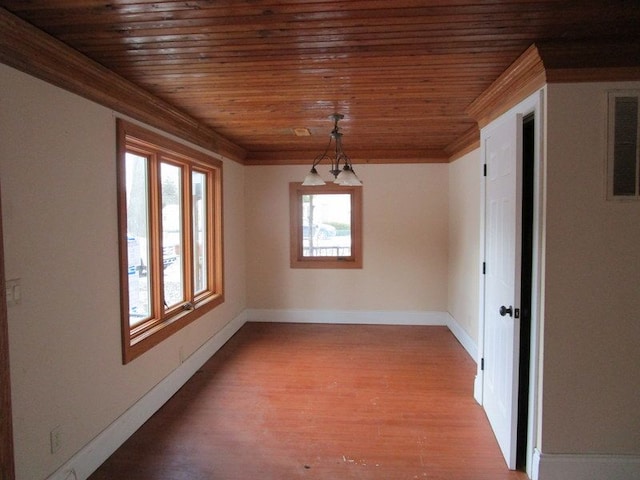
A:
{"points": [[322, 402]]}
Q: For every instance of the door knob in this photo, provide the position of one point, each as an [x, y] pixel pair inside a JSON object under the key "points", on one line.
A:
{"points": [[506, 311]]}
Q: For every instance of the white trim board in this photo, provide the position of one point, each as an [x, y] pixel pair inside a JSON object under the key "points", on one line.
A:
{"points": [[362, 317], [463, 337], [551, 466], [96, 452]]}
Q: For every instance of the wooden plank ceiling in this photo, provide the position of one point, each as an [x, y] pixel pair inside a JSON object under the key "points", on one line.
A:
{"points": [[403, 72]]}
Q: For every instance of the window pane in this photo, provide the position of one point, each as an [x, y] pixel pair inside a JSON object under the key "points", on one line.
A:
{"points": [[159, 224], [137, 235], [326, 225], [172, 248], [625, 166], [200, 254]]}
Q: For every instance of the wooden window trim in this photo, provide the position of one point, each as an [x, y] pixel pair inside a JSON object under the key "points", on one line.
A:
{"points": [[138, 339], [296, 191]]}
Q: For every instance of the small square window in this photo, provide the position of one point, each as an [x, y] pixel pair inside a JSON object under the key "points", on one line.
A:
{"points": [[326, 226]]}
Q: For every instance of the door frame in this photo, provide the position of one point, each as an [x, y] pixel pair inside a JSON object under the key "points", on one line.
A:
{"points": [[7, 462], [534, 104]]}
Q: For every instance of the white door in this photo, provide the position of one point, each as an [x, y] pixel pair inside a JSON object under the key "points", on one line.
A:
{"points": [[502, 141]]}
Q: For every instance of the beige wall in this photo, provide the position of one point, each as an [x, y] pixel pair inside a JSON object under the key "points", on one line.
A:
{"points": [[464, 241], [591, 361], [57, 168], [405, 243]]}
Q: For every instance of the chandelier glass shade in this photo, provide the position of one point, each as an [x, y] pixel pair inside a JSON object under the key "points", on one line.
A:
{"points": [[341, 167]]}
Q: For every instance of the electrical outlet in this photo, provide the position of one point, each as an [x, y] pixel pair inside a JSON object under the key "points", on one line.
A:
{"points": [[55, 436]]}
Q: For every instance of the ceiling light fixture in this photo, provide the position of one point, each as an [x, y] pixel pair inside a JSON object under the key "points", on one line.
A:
{"points": [[343, 176]]}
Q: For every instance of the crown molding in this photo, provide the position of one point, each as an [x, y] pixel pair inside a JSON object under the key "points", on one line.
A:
{"points": [[26, 48], [304, 157], [556, 62], [517, 82], [467, 142]]}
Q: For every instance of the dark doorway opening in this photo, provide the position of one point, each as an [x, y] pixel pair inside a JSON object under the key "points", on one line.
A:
{"points": [[528, 160]]}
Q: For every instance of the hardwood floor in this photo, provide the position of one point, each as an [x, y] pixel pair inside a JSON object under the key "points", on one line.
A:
{"points": [[324, 402]]}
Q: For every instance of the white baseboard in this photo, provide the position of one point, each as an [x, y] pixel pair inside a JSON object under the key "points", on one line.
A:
{"points": [[370, 318], [463, 337], [348, 317], [477, 388], [550, 466], [92, 455]]}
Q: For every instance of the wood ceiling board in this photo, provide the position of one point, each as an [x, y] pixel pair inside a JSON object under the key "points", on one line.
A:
{"points": [[404, 73]]}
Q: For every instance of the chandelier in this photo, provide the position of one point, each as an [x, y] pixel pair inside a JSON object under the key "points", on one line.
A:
{"points": [[343, 175]]}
